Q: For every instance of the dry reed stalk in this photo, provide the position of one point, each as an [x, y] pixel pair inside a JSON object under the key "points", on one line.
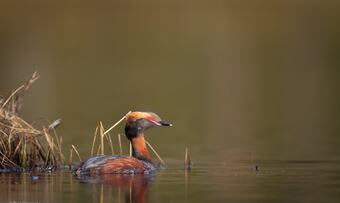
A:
{"points": [[154, 151], [187, 160], [114, 125], [101, 133], [94, 140], [10, 97], [120, 145], [71, 156], [108, 138], [76, 151], [98, 150], [47, 157], [62, 158], [11, 162]]}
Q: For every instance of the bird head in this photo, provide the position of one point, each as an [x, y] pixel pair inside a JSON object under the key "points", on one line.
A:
{"points": [[137, 122]]}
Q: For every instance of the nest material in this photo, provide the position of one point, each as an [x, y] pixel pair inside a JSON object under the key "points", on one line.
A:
{"points": [[22, 145]]}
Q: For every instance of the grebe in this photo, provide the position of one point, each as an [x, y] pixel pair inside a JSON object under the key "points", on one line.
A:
{"points": [[140, 162]]}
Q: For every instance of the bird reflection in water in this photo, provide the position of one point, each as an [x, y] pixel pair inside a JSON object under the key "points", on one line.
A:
{"points": [[134, 187]]}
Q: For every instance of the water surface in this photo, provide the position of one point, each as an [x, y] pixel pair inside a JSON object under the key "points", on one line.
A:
{"points": [[236, 78], [274, 181]]}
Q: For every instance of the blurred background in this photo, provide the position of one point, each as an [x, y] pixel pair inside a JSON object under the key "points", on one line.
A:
{"points": [[236, 78]]}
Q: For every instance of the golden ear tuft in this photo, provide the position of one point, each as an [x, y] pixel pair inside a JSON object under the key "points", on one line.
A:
{"points": [[137, 115]]}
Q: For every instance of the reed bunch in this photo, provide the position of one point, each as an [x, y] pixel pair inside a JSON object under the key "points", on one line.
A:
{"points": [[21, 144]]}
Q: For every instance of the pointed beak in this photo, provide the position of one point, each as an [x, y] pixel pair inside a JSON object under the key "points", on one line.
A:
{"points": [[160, 123], [164, 123]]}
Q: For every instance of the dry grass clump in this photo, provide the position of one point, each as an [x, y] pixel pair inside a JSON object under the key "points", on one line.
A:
{"points": [[22, 146]]}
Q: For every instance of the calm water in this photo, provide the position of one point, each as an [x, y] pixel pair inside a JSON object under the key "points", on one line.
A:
{"points": [[275, 181], [236, 78]]}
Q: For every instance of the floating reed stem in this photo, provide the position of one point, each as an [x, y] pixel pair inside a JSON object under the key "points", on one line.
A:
{"points": [[154, 151]]}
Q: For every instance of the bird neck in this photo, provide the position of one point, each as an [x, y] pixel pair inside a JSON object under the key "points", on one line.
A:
{"points": [[139, 149]]}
